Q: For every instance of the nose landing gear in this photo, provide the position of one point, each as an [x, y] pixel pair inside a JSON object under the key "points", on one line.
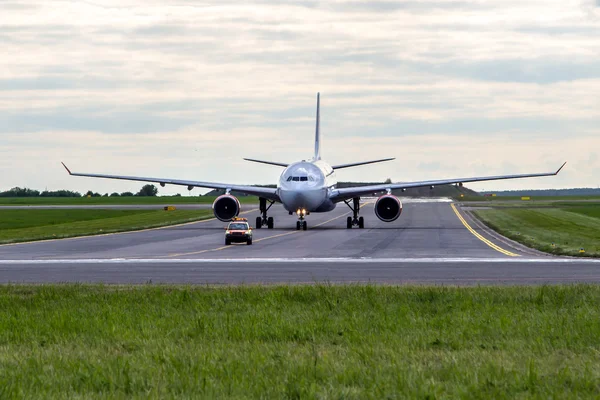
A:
{"points": [[264, 220], [355, 220], [301, 223]]}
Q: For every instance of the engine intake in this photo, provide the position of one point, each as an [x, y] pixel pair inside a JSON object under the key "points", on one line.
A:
{"points": [[388, 208], [226, 207]]}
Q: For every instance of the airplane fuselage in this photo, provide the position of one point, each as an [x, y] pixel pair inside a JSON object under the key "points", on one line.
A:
{"points": [[306, 185]]}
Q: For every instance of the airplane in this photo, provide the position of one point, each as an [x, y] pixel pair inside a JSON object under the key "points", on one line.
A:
{"points": [[310, 186]]}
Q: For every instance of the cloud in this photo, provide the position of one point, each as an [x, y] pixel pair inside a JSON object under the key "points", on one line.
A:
{"points": [[122, 84]]}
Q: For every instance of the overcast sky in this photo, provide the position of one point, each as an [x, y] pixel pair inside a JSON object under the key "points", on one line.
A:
{"points": [[185, 89]]}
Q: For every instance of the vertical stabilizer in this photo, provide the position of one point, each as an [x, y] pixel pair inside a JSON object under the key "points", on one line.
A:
{"points": [[318, 130]]}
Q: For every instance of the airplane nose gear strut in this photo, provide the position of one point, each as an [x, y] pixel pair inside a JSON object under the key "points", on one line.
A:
{"points": [[264, 220], [355, 220], [301, 223]]}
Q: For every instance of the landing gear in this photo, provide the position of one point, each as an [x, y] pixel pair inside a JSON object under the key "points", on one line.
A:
{"points": [[264, 220], [301, 225], [355, 220]]}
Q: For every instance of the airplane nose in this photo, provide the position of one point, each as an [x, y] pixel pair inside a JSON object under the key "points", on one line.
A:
{"points": [[294, 200]]}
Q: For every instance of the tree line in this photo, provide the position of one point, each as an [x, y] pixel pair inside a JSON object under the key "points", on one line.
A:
{"points": [[145, 191]]}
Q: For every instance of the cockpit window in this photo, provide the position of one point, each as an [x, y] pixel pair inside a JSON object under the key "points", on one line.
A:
{"points": [[300, 179]]}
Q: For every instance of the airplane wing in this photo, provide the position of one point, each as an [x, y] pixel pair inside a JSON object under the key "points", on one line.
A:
{"points": [[342, 194], [356, 164], [278, 164], [267, 193]]}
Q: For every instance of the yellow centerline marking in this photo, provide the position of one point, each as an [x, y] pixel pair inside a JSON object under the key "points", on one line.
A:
{"points": [[478, 236], [259, 240]]}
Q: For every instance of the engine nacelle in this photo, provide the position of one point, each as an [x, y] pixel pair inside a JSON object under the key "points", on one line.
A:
{"points": [[388, 208], [226, 207]]}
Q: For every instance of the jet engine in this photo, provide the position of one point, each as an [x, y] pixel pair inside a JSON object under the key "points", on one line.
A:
{"points": [[226, 207], [388, 208]]}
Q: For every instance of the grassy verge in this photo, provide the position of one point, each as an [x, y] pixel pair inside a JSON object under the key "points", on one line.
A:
{"points": [[533, 198], [82, 201], [28, 225], [299, 342], [562, 229]]}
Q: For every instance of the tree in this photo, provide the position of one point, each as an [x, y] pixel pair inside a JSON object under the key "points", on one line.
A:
{"points": [[148, 190], [92, 194], [20, 192], [126, 194], [388, 180], [115, 194]]}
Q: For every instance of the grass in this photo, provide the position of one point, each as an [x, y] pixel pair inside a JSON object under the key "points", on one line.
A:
{"points": [[569, 226], [167, 200], [78, 341], [28, 225], [533, 198]]}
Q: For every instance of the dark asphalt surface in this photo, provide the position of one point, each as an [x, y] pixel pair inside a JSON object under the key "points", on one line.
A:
{"points": [[427, 244]]}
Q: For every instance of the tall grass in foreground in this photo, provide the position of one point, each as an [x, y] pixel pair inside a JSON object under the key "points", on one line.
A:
{"points": [[299, 342]]}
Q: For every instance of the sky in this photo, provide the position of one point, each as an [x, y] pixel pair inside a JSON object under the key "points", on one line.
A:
{"points": [[185, 89]]}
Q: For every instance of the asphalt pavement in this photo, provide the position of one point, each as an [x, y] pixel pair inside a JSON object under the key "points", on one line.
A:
{"points": [[433, 242]]}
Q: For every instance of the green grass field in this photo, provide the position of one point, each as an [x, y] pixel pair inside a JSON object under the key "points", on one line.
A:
{"points": [[570, 226], [28, 225], [512, 200], [297, 342], [167, 200]]}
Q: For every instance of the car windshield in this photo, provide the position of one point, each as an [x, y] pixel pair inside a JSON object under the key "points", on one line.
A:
{"points": [[238, 226]]}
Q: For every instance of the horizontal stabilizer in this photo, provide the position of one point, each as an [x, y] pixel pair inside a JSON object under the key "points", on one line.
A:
{"points": [[340, 166], [267, 162]]}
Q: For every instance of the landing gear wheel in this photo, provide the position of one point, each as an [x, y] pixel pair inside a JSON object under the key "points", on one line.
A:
{"points": [[304, 225], [354, 221], [263, 220], [297, 225]]}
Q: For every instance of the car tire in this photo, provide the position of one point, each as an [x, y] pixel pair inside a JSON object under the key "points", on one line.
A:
{"points": [[249, 242], [227, 242]]}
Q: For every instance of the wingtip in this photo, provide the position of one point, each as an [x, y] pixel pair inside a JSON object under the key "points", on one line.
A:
{"points": [[561, 167], [67, 168]]}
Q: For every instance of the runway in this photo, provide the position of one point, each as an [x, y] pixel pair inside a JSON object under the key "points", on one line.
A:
{"points": [[433, 242]]}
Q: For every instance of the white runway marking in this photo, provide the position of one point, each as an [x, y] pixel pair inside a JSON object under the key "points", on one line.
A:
{"points": [[307, 260]]}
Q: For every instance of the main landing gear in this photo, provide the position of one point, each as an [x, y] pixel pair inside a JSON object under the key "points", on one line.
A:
{"points": [[264, 220], [355, 220], [301, 223]]}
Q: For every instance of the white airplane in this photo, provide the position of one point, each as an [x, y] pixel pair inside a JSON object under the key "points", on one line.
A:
{"points": [[311, 186]]}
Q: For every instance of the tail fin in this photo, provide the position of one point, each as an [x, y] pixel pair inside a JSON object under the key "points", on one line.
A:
{"points": [[318, 130]]}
